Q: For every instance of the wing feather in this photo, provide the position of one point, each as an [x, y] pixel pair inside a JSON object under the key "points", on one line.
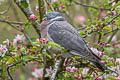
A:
{"points": [[65, 35]]}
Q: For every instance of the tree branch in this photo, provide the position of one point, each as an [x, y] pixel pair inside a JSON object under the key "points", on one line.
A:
{"points": [[21, 30], [28, 12], [78, 3], [56, 67]]}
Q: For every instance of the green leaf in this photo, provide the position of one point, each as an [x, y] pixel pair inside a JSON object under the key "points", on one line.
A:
{"points": [[106, 28], [24, 4], [10, 61], [45, 53], [81, 33], [117, 4], [110, 78]]}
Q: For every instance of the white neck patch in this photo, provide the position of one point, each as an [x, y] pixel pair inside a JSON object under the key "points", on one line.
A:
{"points": [[58, 17]]}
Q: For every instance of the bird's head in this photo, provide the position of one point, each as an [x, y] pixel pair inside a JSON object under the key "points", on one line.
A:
{"points": [[53, 16]]}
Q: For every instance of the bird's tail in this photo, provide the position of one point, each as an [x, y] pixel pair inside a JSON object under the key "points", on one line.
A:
{"points": [[99, 66]]}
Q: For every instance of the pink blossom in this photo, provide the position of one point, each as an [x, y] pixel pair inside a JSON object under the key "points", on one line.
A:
{"points": [[74, 69], [7, 17], [3, 50], [19, 47], [117, 61], [112, 59], [77, 77], [85, 71], [18, 39], [17, 26], [68, 69], [103, 62], [117, 78], [37, 9], [94, 74], [32, 79], [112, 13], [102, 15], [80, 19], [115, 46], [110, 2], [98, 78], [14, 53], [17, 71], [42, 40], [32, 17], [114, 38], [55, 0], [102, 43], [38, 73]]}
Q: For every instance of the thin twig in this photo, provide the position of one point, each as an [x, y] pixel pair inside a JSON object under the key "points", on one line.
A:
{"points": [[76, 2], [112, 36], [50, 6], [12, 22], [5, 11], [11, 65], [21, 30]]}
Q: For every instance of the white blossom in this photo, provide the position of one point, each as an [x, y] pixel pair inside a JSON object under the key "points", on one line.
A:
{"points": [[85, 71], [18, 38], [3, 50], [49, 72], [7, 42], [38, 73], [98, 53]]}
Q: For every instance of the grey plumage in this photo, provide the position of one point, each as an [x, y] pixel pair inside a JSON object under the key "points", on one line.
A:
{"points": [[62, 33]]}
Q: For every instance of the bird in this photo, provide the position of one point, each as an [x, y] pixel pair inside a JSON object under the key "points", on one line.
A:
{"points": [[58, 30]]}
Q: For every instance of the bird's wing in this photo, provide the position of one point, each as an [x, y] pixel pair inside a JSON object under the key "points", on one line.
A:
{"points": [[65, 35]]}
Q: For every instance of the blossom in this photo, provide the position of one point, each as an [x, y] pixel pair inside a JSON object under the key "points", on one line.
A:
{"points": [[77, 77], [32, 79], [85, 71], [117, 78], [80, 19], [110, 2], [14, 53], [54, 1], [102, 43], [98, 53], [117, 61], [18, 39], [115, 46], [112, 13], [49, 72], [38, 73], [103, 62], [3, 50], [7, 42], [42, 40], [74, 69], [98, 78], [32, 17], [37, 9], [68, 69], [7, 17], [102, 15]]}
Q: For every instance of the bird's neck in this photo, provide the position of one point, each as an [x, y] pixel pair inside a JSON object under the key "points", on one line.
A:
{"points": [[59, 18]]}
